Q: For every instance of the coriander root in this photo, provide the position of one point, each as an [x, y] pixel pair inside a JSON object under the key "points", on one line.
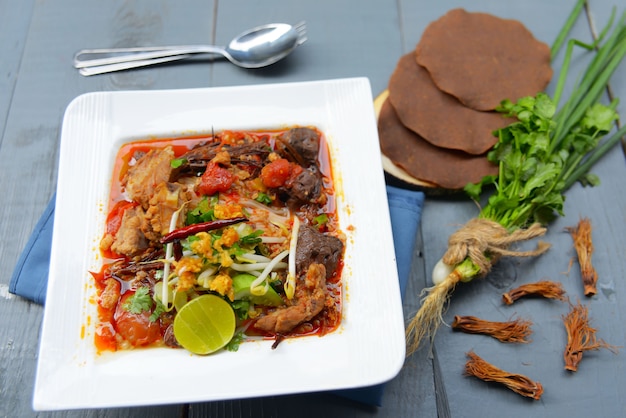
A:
{"points": [[427, 320], [581, 234], [471, 252], [581, 337], [518, 383], [515, 331], [544, 288]]}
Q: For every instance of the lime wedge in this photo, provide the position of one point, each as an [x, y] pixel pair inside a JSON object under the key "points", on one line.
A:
{"points": [[205, 324]]}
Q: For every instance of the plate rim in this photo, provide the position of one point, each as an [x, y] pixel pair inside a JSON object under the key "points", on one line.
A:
{"points": [[356, 91]]}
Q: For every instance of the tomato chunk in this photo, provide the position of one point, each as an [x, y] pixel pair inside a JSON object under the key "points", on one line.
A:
{"points": [[215, 179], [137, 329], [276, 173]]}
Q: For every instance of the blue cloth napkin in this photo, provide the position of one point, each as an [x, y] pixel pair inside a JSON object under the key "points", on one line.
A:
{"points": [[30, 277], [405, 211]]}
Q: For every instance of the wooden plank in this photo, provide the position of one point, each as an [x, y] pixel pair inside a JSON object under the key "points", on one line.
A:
{"points": [[14, 23], [541, 359], [345, 39], [28, 158]]}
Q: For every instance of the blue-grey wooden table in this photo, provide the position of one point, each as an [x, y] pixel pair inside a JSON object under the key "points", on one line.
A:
{"points": [[346, 38]]}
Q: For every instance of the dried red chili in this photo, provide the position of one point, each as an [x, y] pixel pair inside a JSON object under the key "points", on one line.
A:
{"points": [[509, 332], [581, 337], [544, 288], [518, 383], [581, 234], [187, 231]]}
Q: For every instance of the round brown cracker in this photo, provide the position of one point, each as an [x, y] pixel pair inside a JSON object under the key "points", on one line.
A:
{"points": [[436, 116], [448, 169], [482, 59]]}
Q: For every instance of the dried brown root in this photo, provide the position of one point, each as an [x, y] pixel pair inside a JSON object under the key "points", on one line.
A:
{"points": [[428, 318], [515, 331], [544, 288], [518, 383], [581, 337], [581, 234]]}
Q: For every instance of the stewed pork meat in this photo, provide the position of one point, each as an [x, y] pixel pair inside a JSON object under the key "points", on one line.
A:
{"points": [[147, 174], [315, 247], [310, 299]]}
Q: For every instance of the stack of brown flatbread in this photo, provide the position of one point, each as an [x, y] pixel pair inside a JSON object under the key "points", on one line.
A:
{"points": [[437, 122]]}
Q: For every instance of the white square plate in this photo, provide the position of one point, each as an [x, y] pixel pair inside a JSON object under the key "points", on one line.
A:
{"points": [[367, 349]]}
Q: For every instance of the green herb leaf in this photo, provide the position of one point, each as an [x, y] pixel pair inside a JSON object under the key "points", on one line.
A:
{"points": [[599, 118], [241, 308], [139, 302], [251, 239], [320, 219], [158, 310], [235, 342], [203, 212], [263, 198], [177, 162]]}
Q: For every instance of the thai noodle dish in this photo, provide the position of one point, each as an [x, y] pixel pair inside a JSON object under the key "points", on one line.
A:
{"points": [[212, 241]]}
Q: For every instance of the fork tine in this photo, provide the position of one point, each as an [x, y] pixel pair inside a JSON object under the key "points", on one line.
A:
{"points": [[301, 29], [300, 26]]}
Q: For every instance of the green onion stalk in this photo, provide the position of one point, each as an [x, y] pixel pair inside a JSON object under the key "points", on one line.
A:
{"points": [[540, 156]]}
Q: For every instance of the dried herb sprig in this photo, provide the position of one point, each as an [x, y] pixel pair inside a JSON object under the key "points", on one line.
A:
{"points": [[581, 337], [516, 331], [518, 383], [544, 288], [581, 234]]}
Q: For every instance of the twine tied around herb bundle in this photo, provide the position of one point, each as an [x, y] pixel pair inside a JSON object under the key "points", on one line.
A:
{"points": [[484, 241]]}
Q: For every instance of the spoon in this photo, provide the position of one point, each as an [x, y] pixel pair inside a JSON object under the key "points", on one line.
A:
{"points": [[254, 48]]}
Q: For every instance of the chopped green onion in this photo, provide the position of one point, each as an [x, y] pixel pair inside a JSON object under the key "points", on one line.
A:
{"points": [[321, 219], [263, 198], [177, 162]]}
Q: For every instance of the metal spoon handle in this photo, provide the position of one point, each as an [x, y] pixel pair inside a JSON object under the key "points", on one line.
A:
{"points": [[109, 68], [105, 56]]}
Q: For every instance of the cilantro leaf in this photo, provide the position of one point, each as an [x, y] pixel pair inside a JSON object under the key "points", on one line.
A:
{"points": [[139, 302], [203, 212], [158, 310], [241, 308], [235, 342], [599, 118]]}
